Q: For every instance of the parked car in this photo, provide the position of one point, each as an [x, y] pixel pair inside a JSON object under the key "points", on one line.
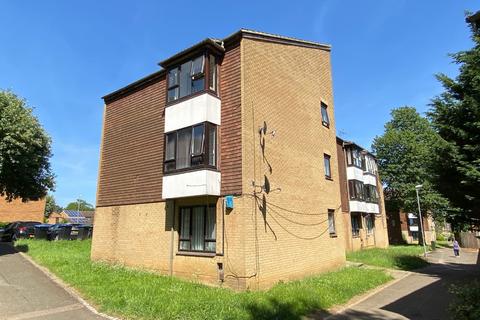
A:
{"points": [[17, 230]]}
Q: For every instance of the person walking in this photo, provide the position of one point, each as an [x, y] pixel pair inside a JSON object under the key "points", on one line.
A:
{"points": [[456, 248]]}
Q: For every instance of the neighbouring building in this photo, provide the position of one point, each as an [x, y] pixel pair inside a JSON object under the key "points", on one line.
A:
{"points": [[17, 210], [404, 227], [72, 216], [222, 166], [362, 200]]}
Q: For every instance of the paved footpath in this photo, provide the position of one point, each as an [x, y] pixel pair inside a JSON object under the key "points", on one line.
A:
{"points": [[421, 295], [27, 293]]}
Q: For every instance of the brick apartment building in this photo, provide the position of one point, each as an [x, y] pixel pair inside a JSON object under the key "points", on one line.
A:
{"points": [[17, 210], [362, 200], [222, 166], [404, 227]]}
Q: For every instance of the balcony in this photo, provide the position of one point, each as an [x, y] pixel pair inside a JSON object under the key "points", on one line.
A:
{"points": [[191, 184]]}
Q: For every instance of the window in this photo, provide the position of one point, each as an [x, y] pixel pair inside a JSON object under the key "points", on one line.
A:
{"points": [[356, 224], [189, 77], [326, 163], [197, 229], [354, 157], [331, 222], [212, 74], [355, 189], [371, 193], [325, 119], [191, 147], [371, 165], [370, 223]]}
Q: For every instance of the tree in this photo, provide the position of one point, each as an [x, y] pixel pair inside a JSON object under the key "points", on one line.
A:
{"points": [[51, 206], [81, 205], [455, 114], [25, 151], [404, 154]]}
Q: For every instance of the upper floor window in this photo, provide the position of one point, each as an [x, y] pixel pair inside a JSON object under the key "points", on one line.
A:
{"points": [[371, 165], [325, 119], [326, 163], [190, 77], [354, 157], [191, 147], [355, 189], [371, 193]]}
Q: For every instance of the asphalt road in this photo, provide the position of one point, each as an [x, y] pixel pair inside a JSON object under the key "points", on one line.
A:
{"points": [[27, 293], [421, 295]]}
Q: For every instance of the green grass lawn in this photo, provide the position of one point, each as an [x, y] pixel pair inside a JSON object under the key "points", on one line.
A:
{"points": [[405, 257], [137, 294]]}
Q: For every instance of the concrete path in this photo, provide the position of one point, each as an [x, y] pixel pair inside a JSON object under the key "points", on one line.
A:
{"points": [[27, 293], [421, 295]]}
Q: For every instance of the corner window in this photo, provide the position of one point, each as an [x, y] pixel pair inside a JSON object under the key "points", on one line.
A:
{"points": [[197, 229], [190, 77], [355, 189], [371, 193], [354, 157], [326, 163], [331, 222], [191, 147], [356, 222], [325, 119]]}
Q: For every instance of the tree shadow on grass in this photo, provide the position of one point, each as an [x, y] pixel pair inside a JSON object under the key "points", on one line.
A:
{"points": [[276, 309], [8, 248], [407, 262], [22, 248]]}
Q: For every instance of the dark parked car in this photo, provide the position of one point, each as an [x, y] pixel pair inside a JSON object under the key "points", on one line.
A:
{"points": [[17, 230]]}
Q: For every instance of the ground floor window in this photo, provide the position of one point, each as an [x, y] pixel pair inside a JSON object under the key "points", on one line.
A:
{"points": [[370, 223], [331, 222], [197, 228], [415, 235], [356, 224]]}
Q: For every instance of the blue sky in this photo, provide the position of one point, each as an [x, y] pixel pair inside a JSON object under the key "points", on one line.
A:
{"points": [[62, 56]]}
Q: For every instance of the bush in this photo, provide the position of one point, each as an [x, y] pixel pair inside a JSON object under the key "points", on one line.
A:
{"points": [[466, 305], [440, 237], [3, 224]]}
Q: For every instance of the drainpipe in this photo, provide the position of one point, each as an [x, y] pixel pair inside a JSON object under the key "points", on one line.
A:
{"points": [[171, 208]]}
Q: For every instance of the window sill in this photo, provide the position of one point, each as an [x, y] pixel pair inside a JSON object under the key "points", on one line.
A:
{"points": [[328, 178], [196, 254], [326, 125], [333, 235]]}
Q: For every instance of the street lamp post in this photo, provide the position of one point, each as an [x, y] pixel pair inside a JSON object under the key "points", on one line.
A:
{"points": [[417, 188]]}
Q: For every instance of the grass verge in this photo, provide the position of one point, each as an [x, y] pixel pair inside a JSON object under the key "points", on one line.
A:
{"points": [[404, 257], [138, 294]]}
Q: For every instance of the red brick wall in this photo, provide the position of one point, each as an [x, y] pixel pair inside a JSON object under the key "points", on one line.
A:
{"points": [[132, 147], [24, 211], [231, 128]]}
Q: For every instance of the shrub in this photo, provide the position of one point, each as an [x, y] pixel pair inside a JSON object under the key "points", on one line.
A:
{"points": [[466, 305]]}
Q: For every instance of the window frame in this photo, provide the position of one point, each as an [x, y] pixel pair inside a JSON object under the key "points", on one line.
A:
{"points": [[331, 213], [205, 154], [350, 158], [324, 107], [189, 239], [357, 216], [329, 158], [356, 196], [369, 217], [205, 75]]}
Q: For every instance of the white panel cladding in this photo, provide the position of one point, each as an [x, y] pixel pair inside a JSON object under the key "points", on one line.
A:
{"points": [[191, 183], [204, 107], [369, 179], [354, 173], [362, 206], [358, 206]]}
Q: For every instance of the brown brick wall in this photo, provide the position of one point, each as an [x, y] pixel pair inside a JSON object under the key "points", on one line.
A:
{"points": [[16, 210], [230, 130], [342, 173], [132, 147]]}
